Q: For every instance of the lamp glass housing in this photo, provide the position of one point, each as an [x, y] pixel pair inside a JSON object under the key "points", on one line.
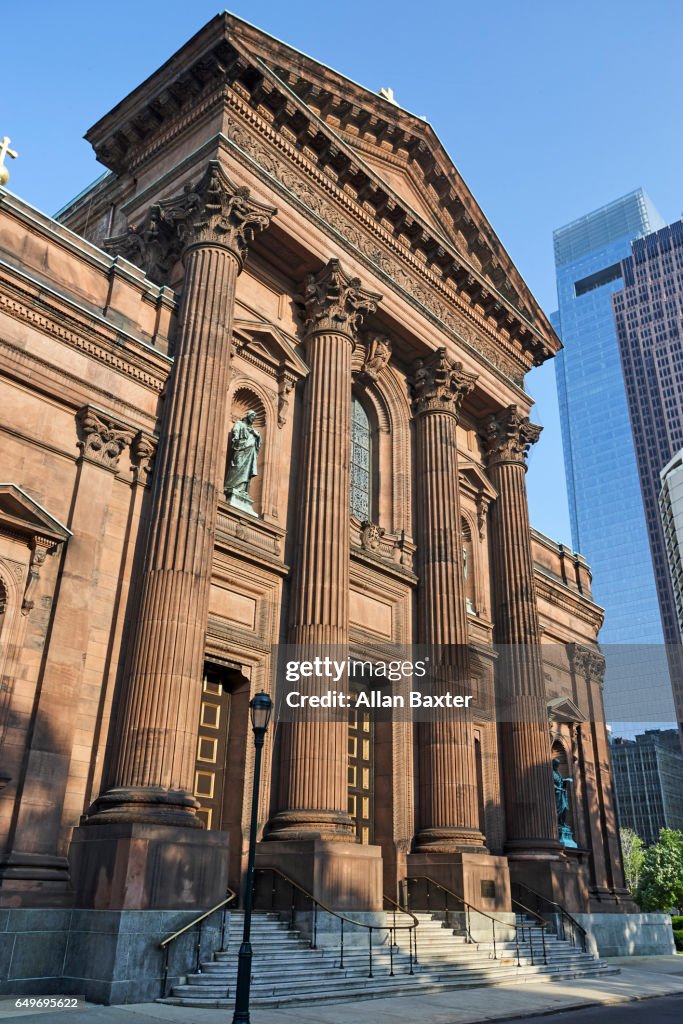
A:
{"points": [[261, 709]]}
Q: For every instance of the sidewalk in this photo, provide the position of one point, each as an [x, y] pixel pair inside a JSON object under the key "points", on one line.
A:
{"points": [[640, 978]]}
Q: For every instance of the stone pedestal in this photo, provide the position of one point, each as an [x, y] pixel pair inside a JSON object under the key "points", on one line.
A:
{"points": [[342, 876], [129, 866], [557, 878], [480, 879], [38, 878]]}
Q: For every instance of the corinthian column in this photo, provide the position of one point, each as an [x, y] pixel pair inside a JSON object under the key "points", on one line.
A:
{"points": [[448, 803], [314, 752], [151, 777], [529, 800]]}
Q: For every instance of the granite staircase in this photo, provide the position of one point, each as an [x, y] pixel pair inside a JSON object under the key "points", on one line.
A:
{"points": [[286, 971]]}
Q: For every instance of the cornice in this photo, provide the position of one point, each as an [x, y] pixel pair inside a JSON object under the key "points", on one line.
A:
{"points": [[226, 54], [560, 596], [360, 114], [370, 242], [67, 388], [36, 305]]}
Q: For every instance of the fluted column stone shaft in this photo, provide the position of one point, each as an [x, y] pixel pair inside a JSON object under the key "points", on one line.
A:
{"points": [[313, 758], [448, 802], [526, 762], [151, 777]]}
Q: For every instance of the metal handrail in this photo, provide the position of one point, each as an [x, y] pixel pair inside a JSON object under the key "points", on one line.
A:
{"points": [[165, 944], [344, 919], [534, 913], [469, 908], [563, 912]]}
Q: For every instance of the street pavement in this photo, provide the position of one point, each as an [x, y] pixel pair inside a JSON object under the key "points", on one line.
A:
{"points": [[641, 984]]}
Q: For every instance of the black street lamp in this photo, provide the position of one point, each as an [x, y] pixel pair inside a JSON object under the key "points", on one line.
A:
{"points": [[261, 707]]}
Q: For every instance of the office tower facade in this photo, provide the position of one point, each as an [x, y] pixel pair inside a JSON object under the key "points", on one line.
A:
{"points": [[606, 508], [648, 776], [671, 509], [647, 316]]}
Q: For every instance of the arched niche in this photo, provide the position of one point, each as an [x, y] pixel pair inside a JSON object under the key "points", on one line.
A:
{"points": [[249, 397]]}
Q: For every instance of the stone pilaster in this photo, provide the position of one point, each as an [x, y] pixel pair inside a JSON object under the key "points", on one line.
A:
{"points": [[531, 820], [314, 752], [152, 771], [448, 804]]}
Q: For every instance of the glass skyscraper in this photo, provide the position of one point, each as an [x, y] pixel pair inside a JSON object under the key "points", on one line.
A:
{"points": [[605, 503]]}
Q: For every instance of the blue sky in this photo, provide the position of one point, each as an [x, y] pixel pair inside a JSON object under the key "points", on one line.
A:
{"points": [[548, 111]]}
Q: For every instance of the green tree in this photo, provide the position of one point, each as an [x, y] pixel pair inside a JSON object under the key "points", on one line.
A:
{"points": [[633, 849], [660, 885]]}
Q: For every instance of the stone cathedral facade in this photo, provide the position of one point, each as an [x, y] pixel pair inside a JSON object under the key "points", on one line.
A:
{"points": [[271, 238]]}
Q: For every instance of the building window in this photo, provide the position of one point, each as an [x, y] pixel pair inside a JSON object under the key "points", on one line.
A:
{"points": [[361, 461]]}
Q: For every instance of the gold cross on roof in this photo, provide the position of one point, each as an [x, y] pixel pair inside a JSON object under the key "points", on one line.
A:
{"points": [[5, 151]]}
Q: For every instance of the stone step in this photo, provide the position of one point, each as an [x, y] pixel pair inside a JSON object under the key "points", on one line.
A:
{"points": [[360, 966], [380, 988], [287, 971]]}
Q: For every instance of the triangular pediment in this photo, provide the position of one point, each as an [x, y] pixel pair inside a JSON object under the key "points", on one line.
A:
{"points": [[400, 177], [384, 135], [272, 346], [562, 709], [20, 513], [473, 477], [388, 163]]}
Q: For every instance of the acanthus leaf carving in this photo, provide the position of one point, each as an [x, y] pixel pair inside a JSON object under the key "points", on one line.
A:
{"points": [[587, 663], [102, 437], [508, 436], [142, 451], [335, 302], [440, 383], [215, 211]]}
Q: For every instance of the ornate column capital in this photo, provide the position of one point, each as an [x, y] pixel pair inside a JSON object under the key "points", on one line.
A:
{"points": [[215, 211], [508, 435], [587, 663], [440, 384], [335, 302], [102, 437]]}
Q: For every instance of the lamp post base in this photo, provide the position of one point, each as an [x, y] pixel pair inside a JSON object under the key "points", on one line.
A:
{"points": [[242, 991]]}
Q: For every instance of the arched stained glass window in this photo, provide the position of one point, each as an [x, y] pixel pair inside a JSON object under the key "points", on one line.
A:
{"points": [[361, 462]]}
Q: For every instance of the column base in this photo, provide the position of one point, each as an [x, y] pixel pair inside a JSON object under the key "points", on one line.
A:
{"points": [[133, 866], [308, 826], [482, 880], [450, 840], [341, 876], [149, 805]]}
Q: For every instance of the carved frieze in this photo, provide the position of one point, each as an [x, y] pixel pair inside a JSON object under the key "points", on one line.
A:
{"points": [[508, 436], [371, 241], [214, 211], [335, 302], [440, 384]]}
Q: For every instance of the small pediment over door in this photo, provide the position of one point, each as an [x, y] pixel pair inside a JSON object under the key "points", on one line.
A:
{"points": [[22, 514]]}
